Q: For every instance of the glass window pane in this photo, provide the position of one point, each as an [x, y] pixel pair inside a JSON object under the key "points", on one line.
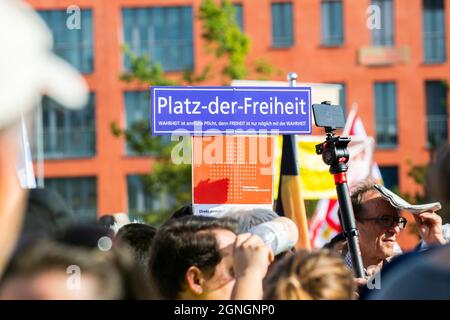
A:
{"points": [[282, 26], [434, 31], [437, 114], [140, 201], [385, 35], [386, 114], [332, 23], [80, 195], [390, 177], [164, 33], [137, 113], [73, 45], [239, 15], [68, 133]]}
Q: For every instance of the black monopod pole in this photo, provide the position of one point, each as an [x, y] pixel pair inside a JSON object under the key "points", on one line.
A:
{"points": [[348, 222], [335, 154]]}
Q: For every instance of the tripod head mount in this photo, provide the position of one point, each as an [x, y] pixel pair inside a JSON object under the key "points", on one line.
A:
{"points": [[334, 151]]}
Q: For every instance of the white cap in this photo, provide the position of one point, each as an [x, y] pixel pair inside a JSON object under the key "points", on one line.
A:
{"points": [[28, 68]]}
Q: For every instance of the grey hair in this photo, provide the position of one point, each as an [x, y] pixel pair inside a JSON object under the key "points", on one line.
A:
{"points": [[357, 195]]}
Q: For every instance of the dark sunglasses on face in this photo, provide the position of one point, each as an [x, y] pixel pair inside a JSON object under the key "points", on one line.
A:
{"points": [[390, 221]]}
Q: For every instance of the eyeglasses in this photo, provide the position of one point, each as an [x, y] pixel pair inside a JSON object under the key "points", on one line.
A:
{"points": [[390, 221]]}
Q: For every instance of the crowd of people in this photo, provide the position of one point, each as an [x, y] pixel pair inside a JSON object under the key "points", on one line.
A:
{"points": [[192, 257], [46, 254]]}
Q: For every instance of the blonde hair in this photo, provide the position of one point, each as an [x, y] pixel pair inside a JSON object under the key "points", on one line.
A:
{"points": [[319, 275]]}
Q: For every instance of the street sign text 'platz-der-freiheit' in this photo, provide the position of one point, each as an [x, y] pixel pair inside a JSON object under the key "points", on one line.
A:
{"points": [[230, 110]]}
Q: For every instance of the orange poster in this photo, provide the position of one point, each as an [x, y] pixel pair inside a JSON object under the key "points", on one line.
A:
{"points": [[231, 171]]}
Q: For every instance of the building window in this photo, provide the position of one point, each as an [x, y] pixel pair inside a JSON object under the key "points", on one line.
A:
{"points": [[239, 15], [434, 31], [74, 45], [162, 33], [390, 177], [140, 201], [332, 23], [80, 195], [68, 133], [282, 26], [384, 36], [437, 114], [386, 114], [137, 113]]}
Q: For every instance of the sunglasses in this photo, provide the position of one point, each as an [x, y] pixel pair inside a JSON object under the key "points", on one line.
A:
{"points": [[390, 221]]}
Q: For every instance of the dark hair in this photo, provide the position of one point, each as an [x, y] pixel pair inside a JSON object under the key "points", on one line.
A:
{"points": [[182, 212], [85, 235], [182, 243], [336, 241], [138, 238], [357, 195], [106, 220], [114, 271]]}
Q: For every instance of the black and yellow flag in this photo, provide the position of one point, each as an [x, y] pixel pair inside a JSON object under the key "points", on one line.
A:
{"points": [[290, 202]]}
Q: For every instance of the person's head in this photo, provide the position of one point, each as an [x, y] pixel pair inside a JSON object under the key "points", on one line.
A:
{"points": [[47, 270], [378, 222], [138, 238], [106, 220], [86, 235], [319, 275], [192, 258], [28, 70]]}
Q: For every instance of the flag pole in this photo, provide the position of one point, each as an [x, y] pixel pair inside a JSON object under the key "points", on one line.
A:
{"points": [[290, 201]]}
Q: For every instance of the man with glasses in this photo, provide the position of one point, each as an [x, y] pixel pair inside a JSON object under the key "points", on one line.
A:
{"points": [[379, 222], [422, 275]]}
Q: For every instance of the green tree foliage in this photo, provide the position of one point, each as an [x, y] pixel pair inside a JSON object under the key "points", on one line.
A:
{"points": [[144, 70], [224, 37], [265, 70], [165, 177]]}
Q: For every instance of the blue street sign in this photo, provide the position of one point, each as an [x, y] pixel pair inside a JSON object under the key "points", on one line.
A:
{"points": [[230, 110]]}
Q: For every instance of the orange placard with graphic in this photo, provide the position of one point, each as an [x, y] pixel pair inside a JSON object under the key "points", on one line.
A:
{"points": [[231, 170]]}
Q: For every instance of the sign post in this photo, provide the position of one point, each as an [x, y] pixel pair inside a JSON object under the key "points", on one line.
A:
{"points": [[233, 131]]}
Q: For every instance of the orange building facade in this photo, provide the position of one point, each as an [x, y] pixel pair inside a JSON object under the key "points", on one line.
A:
{"points": [[347, 63]]}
